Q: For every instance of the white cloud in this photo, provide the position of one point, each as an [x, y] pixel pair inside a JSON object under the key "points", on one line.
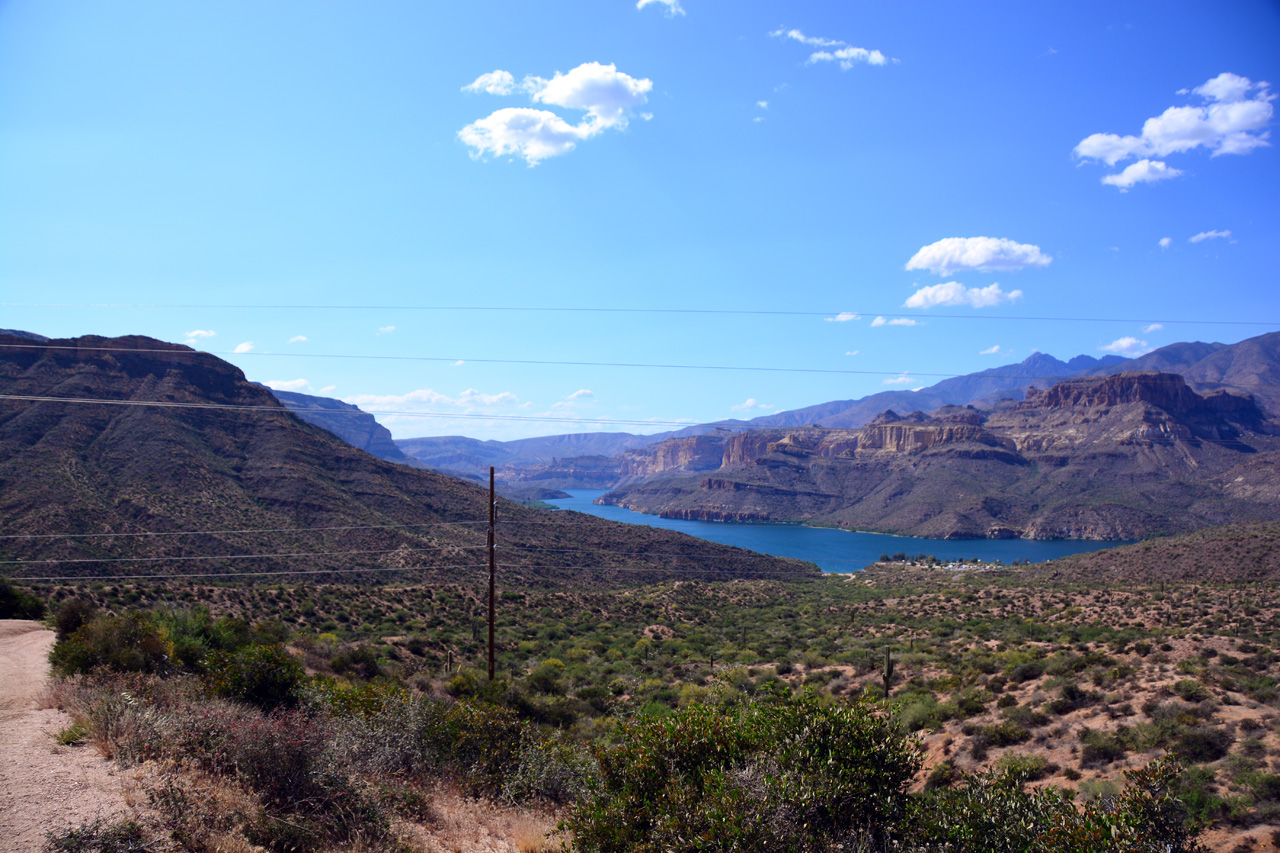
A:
{"points": [[385, 330], [901, 379], [1142, 172], [607, 96], [1209, 235], [845, 54], [298, 339], [298, 385], [201, 333], [764, 105], [247, 346], [1166, 242], [496, 82], [1154, 327], [1233, 120], [897, 321], [842, 317], [852, 352], [326, 389], [581, 394], [955, 293], [954, 254], [672, 6], [848, 57], [751, 403], [995, 350], [459, 363], [468, 400], [1127, 346]]}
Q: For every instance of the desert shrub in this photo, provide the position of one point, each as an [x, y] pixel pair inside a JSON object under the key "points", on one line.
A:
{"points": [[102, 835], [1025, 717], [1191, 690], [545, 677], [1071, 698], [1026, 671], [345, 700], [18, 603], [1099, 749], [1005, 733], [943, 775], [788, 774], [71, 614], [550, 769], [994, 813], [264, 676], [1202, 744], [1026, 767], [360, 661], [130, 643]]}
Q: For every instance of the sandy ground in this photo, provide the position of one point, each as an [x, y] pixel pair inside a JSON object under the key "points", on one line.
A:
{"points": [[43, 786]]}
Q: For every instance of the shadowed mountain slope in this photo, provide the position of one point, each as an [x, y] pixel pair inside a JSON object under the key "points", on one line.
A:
{"points": [[229, 460]]}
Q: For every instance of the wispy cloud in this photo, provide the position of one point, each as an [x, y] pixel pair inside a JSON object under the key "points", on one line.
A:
{"points": [[852, 352], [842, 317], [984, 254], [1154, 327], [751, 404], [955, 293], [834, 50], [764, 105], [995, 350], [385, 330], [1127, 346], [901, 379], [1232, 119], [671, 8], [1209, 235], [296, 385], [298, 339], [608, 97], [1166, 242], [196, 336], [896, 321], [241, 348]]}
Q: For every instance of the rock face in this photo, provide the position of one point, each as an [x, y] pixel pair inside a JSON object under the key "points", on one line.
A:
{"points": [[1113, 457], [347, 422]]}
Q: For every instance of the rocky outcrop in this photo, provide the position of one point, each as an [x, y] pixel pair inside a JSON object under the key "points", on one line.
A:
{"points": [[355, 427], [1113, 457]]}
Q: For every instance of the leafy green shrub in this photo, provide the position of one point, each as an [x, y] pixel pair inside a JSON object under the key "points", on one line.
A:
{"points": [[130, 643], [18, 603], [1101, 748], [782, 775], [71, 614], [1191, 690], [1072, 697], [264, 676], [1029, 768]]}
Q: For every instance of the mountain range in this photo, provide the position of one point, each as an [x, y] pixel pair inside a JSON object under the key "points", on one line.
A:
{"points": [[116, 459]]}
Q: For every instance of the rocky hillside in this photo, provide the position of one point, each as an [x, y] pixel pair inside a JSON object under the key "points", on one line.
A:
{"points": [[1118, 457], [223, 474], [357, 428]]}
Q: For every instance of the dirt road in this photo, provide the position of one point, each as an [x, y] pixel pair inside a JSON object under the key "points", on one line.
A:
{"points": [[43, 786]]}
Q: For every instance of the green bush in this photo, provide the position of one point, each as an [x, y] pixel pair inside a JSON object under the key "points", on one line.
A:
{"points": [[18, 603], [73, 613], [788, 774], [264, 676], [130, 643]]}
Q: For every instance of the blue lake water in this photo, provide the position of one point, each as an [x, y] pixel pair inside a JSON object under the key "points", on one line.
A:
{"points": [[834, 550]]}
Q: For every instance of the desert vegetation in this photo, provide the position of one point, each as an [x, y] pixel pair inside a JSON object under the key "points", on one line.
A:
{"points": [[906, 707]]}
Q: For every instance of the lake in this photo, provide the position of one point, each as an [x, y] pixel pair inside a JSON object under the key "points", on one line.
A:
{"points": [[834, 550]]}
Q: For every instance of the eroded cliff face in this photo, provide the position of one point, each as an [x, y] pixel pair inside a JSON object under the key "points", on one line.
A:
{"points": [[694, 453], [1123, 456]]}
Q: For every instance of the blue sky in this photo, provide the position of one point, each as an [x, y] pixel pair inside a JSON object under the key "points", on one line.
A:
{"points": [[960, 164]]}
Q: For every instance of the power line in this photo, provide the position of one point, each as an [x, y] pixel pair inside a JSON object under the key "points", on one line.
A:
{"points": [[250, 530], [602, 310], [58, 561], [540, 363], [117, 578]]}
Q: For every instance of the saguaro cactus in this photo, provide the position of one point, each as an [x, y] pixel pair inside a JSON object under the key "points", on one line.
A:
{"points": [[888, 673]]}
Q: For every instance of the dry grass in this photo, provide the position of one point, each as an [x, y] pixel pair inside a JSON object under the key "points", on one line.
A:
{"points": [[466, 824]]}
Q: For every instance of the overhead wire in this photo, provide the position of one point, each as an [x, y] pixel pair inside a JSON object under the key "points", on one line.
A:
{"points": [[543, 309]]}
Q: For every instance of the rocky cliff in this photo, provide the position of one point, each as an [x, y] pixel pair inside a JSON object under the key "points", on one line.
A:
{"points": [[355, 427], [1115, 457]]}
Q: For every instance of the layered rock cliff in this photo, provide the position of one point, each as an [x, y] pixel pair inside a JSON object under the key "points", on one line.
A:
{"points": [[1115, 457]]}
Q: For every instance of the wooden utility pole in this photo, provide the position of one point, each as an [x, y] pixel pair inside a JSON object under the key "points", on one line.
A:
{"points": [[493, 566]]}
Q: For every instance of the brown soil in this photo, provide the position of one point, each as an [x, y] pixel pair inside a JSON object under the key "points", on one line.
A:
{"points": [[44, 786]]}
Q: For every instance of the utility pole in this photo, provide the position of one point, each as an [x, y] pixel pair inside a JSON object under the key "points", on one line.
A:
{"points": [[493, 566]]}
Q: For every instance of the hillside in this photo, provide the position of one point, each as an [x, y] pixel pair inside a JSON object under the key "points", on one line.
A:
{"points": [[1119, 457], [1233, 553], [226, 458], [347, 422]]}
